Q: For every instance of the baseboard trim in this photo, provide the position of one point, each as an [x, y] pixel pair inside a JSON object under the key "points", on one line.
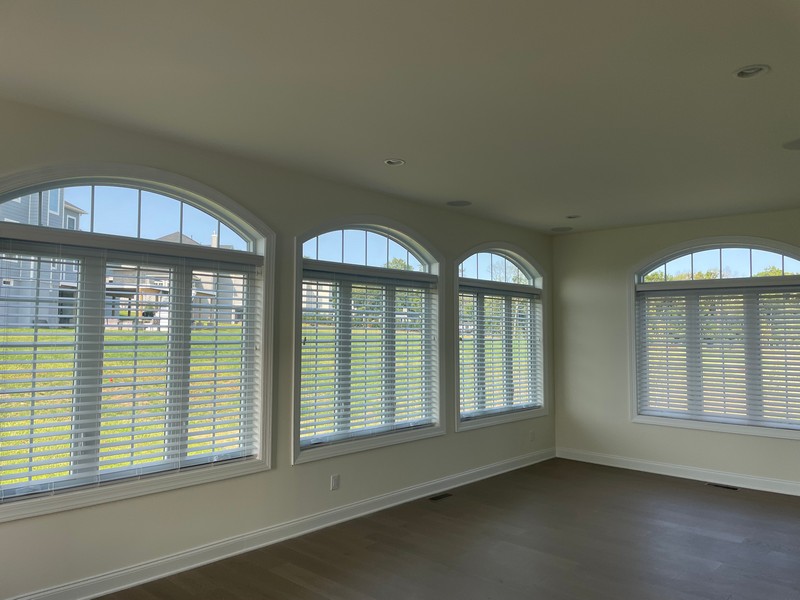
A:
{"points": [[135, 575], [766, 484]]}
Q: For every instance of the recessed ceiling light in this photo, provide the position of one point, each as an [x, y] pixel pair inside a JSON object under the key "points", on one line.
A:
{"points": [[394, 162], [573, 216], [459, 203], [751, 71], [561, 229]]}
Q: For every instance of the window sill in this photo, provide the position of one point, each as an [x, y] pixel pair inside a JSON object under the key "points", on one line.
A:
{"points": [[367, 443], [122, 490], [498, 419], [772, 432]]}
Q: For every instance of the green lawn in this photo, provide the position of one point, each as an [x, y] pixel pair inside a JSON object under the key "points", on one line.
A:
{"points": [[133, 388], [373, 397]]}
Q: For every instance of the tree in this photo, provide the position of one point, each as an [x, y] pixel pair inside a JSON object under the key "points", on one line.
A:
{"points": [[771, 271], [399, 263], [656, 276]]}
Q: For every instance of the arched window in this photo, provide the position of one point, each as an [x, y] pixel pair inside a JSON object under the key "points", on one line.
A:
{"points": [[718, 337], [500, 350], [368, 369], [131, 330]]}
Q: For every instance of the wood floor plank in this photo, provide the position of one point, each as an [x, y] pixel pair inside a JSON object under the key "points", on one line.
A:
{"points": [[559, 530]]}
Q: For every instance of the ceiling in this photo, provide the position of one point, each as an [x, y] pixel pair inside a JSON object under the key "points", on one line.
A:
{"points": [[620, 111]]}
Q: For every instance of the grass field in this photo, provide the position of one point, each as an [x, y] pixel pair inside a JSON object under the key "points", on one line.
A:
{"points": [[62, 415], [383, 381], [372, 380]]}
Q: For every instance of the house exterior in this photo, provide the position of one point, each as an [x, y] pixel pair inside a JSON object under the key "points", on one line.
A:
{"points": [[21, 276], [134, 295]]}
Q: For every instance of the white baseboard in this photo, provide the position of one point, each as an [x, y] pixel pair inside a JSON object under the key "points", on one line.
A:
{"points": [[168, 565], [766, 484]]}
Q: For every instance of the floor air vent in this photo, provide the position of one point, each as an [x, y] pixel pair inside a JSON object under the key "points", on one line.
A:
{"points": [[723, 486], [439, 497]]}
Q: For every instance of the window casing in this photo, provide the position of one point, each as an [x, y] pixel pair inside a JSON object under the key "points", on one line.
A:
{"points": [[147, 360], [368, 370], [715, 350], [500, 340], [53, 201]]}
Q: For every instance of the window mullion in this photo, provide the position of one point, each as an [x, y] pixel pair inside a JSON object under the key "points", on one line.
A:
{"points": [[390, 356], [694, 356], [752, 345], [508, 350], [178, 363], [343, 357], [535, 342], [429, 350], [89, 334], [480, 351], [249, 300]]}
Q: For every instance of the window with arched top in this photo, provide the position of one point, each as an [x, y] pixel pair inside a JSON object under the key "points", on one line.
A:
{"points": [[500, 348], [734, 262], [129, 211], [368, 339], [132, 324], [718, 337]]}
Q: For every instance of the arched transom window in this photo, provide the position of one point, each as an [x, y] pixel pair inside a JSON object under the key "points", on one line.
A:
{"points": [[718, 337], [723, 263], [131, 212], [131, 330], [500, 349], [368, 341]]}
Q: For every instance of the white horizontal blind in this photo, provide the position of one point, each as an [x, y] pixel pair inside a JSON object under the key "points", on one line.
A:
{"points": [[500, 352], [727, 355], [115, 366], [39, 364], [368, 359], [223, 379]]}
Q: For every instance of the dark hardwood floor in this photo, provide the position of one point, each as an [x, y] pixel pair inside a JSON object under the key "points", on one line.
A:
{"points": [[558, 530]]}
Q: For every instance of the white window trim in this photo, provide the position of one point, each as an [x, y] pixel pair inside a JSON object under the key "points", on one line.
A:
{"points": [[665, 256], [200, 195], [424, 249], [49, 206], [516, 415], [122, 490]]}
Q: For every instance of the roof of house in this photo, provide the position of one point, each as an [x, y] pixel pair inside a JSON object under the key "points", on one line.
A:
{"points": [[73, 208], [178, 238]]}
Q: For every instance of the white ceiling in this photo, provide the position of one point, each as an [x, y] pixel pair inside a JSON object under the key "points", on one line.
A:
{"points": [[621, 111]]}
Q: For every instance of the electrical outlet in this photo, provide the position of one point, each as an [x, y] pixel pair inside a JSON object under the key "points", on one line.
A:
{"points": [[335, 482]]}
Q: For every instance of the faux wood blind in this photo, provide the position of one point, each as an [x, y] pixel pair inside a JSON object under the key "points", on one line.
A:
{"points": [[729, 355], [500, 357], [116, 366], [368, 355]]}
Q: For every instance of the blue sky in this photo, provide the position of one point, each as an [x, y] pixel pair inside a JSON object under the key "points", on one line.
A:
{"points": [[358, 247], [731, 262], [116, 211]]}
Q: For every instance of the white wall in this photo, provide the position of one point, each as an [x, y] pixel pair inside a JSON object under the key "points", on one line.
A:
{"points": [[592, 299], [47, 551]]}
